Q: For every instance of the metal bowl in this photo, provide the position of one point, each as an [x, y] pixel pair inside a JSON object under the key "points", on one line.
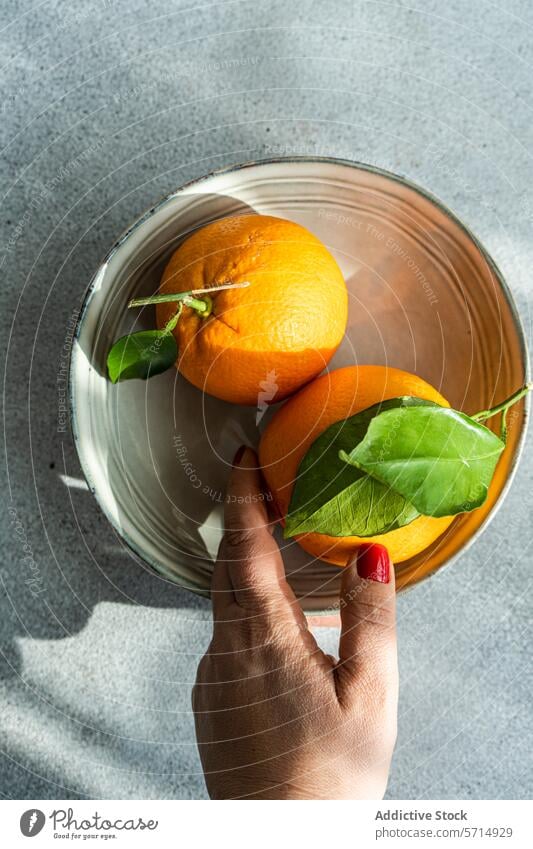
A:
{"points": [[424, 296]]}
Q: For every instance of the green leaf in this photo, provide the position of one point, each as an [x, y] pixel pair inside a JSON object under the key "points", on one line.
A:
{"points": [[333, 498], [141, 355], [441, 460]]}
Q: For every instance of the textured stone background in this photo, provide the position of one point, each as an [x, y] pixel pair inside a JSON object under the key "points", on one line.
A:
{"points": [[111, 104]]}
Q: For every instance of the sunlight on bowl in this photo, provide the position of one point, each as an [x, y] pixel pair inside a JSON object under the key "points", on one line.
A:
{"points": [[424, 297]]}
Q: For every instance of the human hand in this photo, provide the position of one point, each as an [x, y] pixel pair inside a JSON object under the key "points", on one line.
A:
{"points": [[275, 717]]}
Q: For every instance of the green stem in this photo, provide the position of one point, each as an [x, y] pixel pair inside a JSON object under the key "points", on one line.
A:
{"points": [[171, 324], [182, 296], [203, 307], [195, 303], [504, 406]]}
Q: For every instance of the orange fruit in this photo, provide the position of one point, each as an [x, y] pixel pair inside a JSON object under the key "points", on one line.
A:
{"points": [[297, 424], [263, 342]]}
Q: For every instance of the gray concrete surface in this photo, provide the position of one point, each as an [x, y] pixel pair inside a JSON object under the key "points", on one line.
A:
{"points": [[110, 104]]}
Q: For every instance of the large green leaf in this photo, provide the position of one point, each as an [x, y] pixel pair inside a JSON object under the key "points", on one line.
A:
{"points": [[141, 355], [331, 497], [440, 460]]}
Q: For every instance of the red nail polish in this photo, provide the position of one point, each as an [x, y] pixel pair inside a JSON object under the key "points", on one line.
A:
{"points": [[373, 562], [238, 456]]}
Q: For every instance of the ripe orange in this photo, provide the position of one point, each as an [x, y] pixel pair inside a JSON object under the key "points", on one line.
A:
{"points": [[265, 341], [297, 424]]}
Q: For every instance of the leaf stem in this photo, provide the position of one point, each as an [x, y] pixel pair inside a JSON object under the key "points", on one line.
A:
{"points": [[171, 324], [183, 296], [504, 406]]}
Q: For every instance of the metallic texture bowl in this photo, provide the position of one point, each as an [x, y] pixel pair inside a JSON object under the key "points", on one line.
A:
{"points": [[424, 296]]}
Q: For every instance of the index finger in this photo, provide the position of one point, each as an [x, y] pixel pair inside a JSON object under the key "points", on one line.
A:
{"points": [[249, 555]]}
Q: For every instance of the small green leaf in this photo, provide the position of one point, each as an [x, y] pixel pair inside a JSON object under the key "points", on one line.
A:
{"points": [[141, 355], [441, 460], [333, 498]]}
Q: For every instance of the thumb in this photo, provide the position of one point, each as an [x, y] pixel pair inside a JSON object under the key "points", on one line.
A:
{"points": [[367, 649]]}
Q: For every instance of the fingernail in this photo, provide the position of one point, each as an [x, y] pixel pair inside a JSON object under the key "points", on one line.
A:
{"points": [[238, 456], [373, 562]]}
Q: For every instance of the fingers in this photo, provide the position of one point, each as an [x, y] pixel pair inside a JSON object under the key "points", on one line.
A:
{"points": [[249, 561], [367, 649]]}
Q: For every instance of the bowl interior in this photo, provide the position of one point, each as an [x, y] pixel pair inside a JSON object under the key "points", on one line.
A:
{"points": [[423, 297]]}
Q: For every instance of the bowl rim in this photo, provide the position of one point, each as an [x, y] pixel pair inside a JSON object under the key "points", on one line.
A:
{"points": [[275, 160]]}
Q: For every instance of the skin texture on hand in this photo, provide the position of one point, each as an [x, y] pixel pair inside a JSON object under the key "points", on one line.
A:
{"points": [[275, 717]]}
